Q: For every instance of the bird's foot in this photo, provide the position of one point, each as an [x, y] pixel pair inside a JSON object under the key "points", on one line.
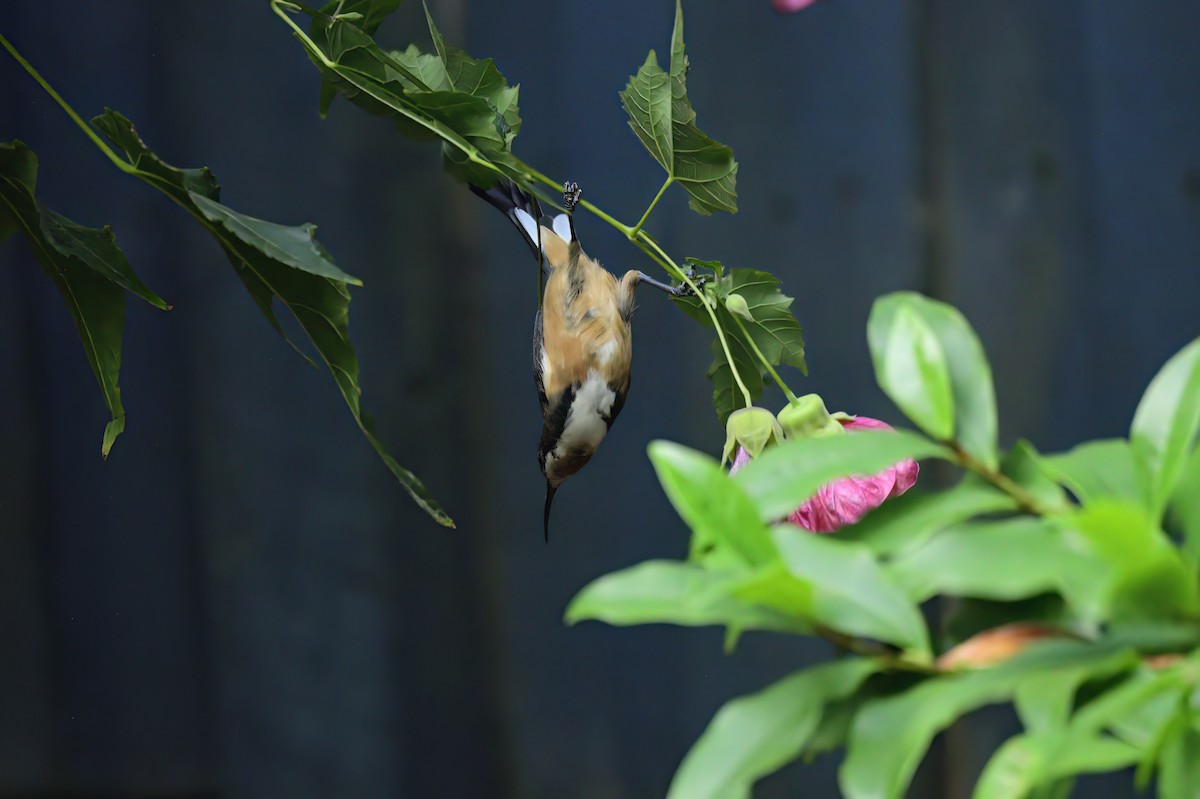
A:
{"points": [[571, 192], [684, 290]]}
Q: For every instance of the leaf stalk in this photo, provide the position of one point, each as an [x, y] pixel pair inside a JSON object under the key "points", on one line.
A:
{"points": [[120, 163], [1025, 500], [649, 209], [787, 392]]}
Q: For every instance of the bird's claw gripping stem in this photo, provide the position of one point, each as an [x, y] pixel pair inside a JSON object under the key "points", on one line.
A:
{"points": [[571, 192], [684, 290]]}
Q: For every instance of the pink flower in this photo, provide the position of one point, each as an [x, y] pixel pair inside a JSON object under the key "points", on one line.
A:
{"points": [[844, 501], [790, 6]]}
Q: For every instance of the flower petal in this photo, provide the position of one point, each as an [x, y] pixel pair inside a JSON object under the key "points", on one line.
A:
{"points": [[790, 6], [845, 501]]}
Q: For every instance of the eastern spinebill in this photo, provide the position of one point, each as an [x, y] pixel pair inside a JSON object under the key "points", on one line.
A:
{"points": [[582, 342]]}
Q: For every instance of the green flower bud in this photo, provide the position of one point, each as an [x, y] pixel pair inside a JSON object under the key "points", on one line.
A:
{"points": [[752, 429], [807, 417], [736, 304]]}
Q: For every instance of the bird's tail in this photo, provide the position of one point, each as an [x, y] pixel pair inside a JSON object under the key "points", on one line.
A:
{"points": [[519, 206], [526, 214]]}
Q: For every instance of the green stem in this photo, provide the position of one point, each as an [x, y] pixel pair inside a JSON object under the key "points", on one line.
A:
{"points": [[1025, 500], [121, 163], [644, 240], [599, 213], [849, 643], [787, 392], [638, 227]]}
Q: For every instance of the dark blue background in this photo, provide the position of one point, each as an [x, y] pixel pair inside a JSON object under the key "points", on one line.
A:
{"points": [[241, 602]]}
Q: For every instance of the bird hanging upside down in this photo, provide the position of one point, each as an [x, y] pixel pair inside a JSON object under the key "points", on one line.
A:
{"points": [[582, 342]]}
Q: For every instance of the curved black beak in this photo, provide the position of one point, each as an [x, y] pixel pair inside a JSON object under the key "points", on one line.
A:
{"points": [[550, 489]]}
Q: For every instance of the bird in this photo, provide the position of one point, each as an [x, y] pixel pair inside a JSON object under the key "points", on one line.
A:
{"points": [[582, 334]]}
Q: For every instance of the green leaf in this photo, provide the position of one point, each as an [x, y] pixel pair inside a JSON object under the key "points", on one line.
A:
{"points": [[466, 103], [98, 250], [773, 586], [274, 262], [295, 247], [851, 592], [1165, 424], [773, 327], [911, 368], [465, 75], [770, 325], [784, 477], [1185, 510], [714, 507], [662, 117], [889, 736], [373, 14], [970, 376], [1146, 577], [672, 593], [1027, 761], [907, 521], [1010, 773], [1140, 688], [1044, 701], [1011, 559], [1096, 470], [94, 248], [753, 736], [87, 267], [1154, 635], [1179, 762]]}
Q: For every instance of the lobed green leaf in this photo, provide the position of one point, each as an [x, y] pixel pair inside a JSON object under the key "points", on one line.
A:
{"points": [[274, 262], [295, 247], [768, 325], [773, 327], [662, 117], [89, 270], [448, 95], [373, 12]]}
